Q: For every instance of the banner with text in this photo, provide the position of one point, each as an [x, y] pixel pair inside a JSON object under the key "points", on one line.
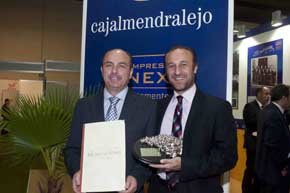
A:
{"points": [[147, 29]]}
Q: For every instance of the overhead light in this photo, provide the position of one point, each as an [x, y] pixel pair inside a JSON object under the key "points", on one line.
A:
{"points": [[241, 31], [276, 18]]}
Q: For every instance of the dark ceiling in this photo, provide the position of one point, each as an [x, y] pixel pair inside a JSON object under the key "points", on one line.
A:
{"points": [[259, 11]]}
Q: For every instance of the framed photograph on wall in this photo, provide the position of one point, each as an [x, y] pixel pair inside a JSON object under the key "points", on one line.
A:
{"points": [[264, 66]]}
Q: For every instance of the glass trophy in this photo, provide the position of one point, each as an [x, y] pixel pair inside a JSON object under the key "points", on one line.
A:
{"points": [[151, 150]]}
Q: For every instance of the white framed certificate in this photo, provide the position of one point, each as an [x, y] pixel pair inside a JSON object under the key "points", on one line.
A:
{"points": [[103, 163]]}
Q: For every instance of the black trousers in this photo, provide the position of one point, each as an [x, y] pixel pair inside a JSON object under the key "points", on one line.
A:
{"points": [[282, 187], [158, 185], [201, 185], [250, 183]]}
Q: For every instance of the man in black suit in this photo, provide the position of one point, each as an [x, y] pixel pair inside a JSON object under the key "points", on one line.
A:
{"points": [[287, 116], [250, 114], [207, 128], [138, 112], [273, 143]]}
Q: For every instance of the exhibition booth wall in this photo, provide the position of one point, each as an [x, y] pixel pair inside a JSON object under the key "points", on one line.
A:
{"points": [[34, 33], [269, 51]]}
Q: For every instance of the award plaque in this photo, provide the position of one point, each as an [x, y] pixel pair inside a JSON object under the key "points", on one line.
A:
{"points": [[103, 157], [151, 150]]}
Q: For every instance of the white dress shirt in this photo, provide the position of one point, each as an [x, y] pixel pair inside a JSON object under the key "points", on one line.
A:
{"points": [[166, 126]]}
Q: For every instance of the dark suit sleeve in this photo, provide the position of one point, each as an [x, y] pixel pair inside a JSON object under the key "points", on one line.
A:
{"points": [[141, 171], [72, 151], [273, 129], [250, 115], [250, 118], [221, 156], [287, 117]]}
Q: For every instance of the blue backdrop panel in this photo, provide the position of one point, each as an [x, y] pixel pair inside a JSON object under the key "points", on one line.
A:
{"points": [[146, 29], [149, 76]]}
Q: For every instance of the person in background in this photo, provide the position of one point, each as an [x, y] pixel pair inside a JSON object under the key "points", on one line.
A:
{"points": [[115, 101], [206, 125], [273, 143], [4, 110], [250, 115]]}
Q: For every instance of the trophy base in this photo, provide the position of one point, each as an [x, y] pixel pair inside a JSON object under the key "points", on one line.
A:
{"points": [[148, 154]]}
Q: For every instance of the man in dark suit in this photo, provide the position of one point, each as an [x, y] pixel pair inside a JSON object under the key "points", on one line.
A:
{"points": [[138, 112], [207, 128], [287, 115], [273, 143], [250, 114]]}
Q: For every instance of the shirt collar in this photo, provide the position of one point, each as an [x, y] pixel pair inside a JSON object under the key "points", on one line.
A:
{"points": [[279, 107], [259, 103], [121, 95], [188, 95]]}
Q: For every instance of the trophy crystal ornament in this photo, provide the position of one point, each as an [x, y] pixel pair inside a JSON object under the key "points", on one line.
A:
{"points": [[151, 150]]}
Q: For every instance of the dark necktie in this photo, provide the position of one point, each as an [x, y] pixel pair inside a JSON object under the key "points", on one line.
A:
{"points": [[173, 177], [112, 113], [176, 125]]}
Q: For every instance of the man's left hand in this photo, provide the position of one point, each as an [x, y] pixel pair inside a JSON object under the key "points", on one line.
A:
{"points": [[284, 171], [131, 185], [168, 165]]}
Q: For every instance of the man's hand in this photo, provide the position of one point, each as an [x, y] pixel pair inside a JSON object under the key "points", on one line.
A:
{"points": [[76, 182], [131, 185], [168, 165], [284, 171], [255, 133]]}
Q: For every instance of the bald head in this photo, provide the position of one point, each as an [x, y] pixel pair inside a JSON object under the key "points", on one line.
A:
{"points": [[263, 95], [122, 53]]}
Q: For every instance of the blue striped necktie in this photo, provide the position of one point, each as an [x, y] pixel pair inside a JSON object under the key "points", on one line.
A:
{"points": [[112, 113]]}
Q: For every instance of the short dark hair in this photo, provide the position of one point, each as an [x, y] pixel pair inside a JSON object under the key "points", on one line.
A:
{"points": [[6, 100], [191, 50], [126, 52], [279, 91]]}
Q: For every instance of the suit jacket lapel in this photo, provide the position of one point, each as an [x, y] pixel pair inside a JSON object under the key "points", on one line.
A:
{"points": [[196, 106], [257, 105], [195, 111], [99, 106], [128, 106], [283, 119]]}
